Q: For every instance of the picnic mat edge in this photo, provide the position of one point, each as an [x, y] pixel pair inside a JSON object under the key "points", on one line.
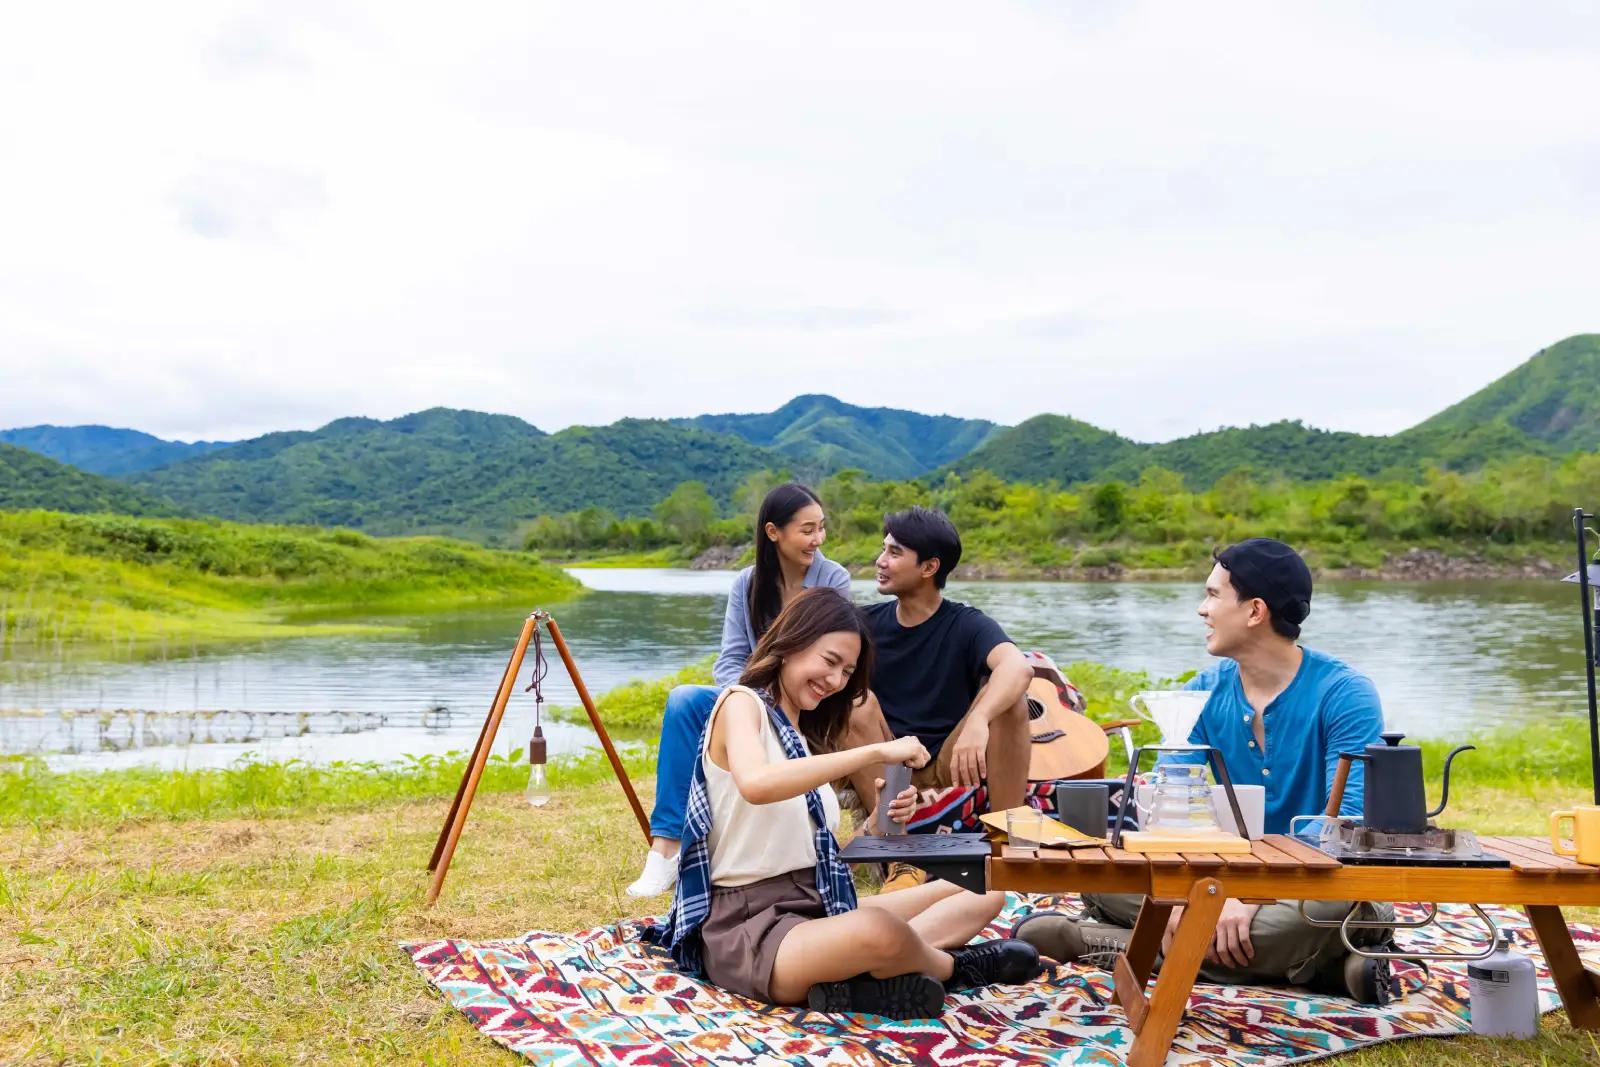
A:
{"points": [[601, 996]]}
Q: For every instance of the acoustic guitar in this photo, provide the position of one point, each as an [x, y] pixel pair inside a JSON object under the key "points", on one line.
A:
{"points": [[1066, 742]]}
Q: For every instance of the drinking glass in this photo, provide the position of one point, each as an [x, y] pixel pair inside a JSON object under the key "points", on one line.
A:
{"points": [[1025, 828]]}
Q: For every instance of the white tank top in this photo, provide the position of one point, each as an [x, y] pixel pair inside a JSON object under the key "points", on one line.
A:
{"points": [[749, 842]]}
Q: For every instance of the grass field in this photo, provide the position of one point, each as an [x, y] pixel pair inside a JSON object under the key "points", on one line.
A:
{"points": [[77, 583], [271, 939]]}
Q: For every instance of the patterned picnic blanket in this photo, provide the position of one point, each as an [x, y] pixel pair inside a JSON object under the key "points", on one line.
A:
{"points": [[602, 997]]}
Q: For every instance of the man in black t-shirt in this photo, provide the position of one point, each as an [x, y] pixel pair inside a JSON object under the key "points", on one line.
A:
{"points": [[944, 671]]}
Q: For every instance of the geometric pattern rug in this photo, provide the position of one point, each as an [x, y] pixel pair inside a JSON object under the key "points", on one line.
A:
{"points": [[603, 997]]}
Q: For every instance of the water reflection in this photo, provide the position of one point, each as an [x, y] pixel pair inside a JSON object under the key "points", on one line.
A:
{"points": [[1446, 657]]}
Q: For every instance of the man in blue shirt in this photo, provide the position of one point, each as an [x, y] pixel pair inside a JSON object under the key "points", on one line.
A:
{"points": [[1280, 714]]}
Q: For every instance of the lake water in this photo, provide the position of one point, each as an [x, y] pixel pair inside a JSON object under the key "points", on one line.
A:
{"points": [[1446, 657]]}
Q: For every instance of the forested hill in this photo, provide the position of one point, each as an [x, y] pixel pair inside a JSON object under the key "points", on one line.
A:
{"points": [[821, 433], [1548, 406], [1056, 448], [485, 476], [1051, 448], [462, 472], [1552, 402], [29, 480], [105, 449]]}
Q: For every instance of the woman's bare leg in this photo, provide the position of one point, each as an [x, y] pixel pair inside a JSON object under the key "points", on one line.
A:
{"points": [[868, 940], [667, 846], [944, 914], [957, 919], [909, 903]]}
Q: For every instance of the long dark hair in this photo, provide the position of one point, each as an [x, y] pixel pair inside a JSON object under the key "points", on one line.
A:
{"points": [[765, 595], [808, 617]]}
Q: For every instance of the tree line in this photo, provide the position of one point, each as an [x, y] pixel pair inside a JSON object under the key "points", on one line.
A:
{"points": [[1154, 521]]}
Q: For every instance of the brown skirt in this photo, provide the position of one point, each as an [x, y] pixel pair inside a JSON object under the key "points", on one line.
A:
{"points": [[747, 923]]}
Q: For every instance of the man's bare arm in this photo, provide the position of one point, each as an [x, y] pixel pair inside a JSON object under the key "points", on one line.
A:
{"points": [[1009, 675]]}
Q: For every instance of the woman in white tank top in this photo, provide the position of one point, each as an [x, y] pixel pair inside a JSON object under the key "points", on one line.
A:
{"points": [[764, 906]]}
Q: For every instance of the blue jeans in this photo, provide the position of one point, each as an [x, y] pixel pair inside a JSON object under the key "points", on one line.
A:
{"points": [[688, 709]]}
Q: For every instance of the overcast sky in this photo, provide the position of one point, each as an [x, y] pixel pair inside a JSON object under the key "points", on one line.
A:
{"points": [[220, 219]]}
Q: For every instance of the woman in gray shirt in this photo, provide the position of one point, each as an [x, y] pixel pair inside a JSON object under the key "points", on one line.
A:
{"points": [[790, 529]]}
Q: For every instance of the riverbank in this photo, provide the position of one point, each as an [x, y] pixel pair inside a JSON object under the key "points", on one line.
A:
{"points": [[1410, 565], [1116, 563], [70, 581]]}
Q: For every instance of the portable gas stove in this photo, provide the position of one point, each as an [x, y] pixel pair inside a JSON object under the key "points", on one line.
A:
{"points": [[1350, 841]]}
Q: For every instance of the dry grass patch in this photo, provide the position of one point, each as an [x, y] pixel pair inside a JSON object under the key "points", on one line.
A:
{"points": [[272, 941]]}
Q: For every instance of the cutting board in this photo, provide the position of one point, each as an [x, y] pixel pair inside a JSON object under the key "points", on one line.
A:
{"points": [[1213, 841], [1056, 835]]}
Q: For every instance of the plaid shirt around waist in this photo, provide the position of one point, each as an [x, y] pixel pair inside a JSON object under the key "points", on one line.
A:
{"points": [[680, 934]]}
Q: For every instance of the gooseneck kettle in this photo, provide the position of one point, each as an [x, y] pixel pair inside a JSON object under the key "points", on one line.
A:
{"points": [[1393, 796]]}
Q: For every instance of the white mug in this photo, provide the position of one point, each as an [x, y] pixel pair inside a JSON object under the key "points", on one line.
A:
{"points": [[1252, 804]]}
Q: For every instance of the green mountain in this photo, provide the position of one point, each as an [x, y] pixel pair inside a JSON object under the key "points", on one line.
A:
{"points": [[484, 476], [105, 449], [821, 434], [1551, 404], [29, 480], [444, 470], [1050, 448], [1548, 406], [1299, 451]]}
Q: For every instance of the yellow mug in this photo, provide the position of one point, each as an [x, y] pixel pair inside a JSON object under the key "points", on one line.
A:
{"points": [[1585, 819]]}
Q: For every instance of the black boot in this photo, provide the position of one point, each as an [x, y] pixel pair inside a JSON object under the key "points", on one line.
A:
{"points": [[1362, 979], [1369, 981], [1004, 961], [905, 996]]}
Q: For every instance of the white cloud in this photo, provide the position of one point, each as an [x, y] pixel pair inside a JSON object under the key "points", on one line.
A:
{"points": [[224, 219]]}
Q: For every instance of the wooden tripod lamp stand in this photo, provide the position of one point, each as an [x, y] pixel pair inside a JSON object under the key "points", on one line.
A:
{"points": [[439, 865]]}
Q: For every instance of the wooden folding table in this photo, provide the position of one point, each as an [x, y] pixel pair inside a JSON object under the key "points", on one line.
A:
{"points": [[1281, 868]]}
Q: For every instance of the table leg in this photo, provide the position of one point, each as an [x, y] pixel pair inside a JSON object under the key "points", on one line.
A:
{"points": [[1131, 972], [1189, 943], [1576, 983], [1144, 945]]}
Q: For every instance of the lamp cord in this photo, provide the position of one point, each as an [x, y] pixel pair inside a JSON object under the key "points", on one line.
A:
{"points": [[535, 680]]}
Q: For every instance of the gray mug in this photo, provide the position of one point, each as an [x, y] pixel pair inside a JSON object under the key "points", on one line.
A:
{"points": [[1084, 806]]}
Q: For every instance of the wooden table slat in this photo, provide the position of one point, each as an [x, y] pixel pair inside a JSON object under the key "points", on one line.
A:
{"points": [[1520, 860], [1542, 846], [1120, 858], [1089, 857], [1055, 855], [1303, 852], [1523, 857], [1563, 864], [1274, 859], [1203, 861], [1242, 860], [1164, 859]]}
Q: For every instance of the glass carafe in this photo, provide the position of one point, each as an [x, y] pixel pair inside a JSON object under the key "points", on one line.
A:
{"points": [[1180, 800]]}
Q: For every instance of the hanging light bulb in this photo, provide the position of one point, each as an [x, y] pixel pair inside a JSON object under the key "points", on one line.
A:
{"points": [[538, 790]]}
